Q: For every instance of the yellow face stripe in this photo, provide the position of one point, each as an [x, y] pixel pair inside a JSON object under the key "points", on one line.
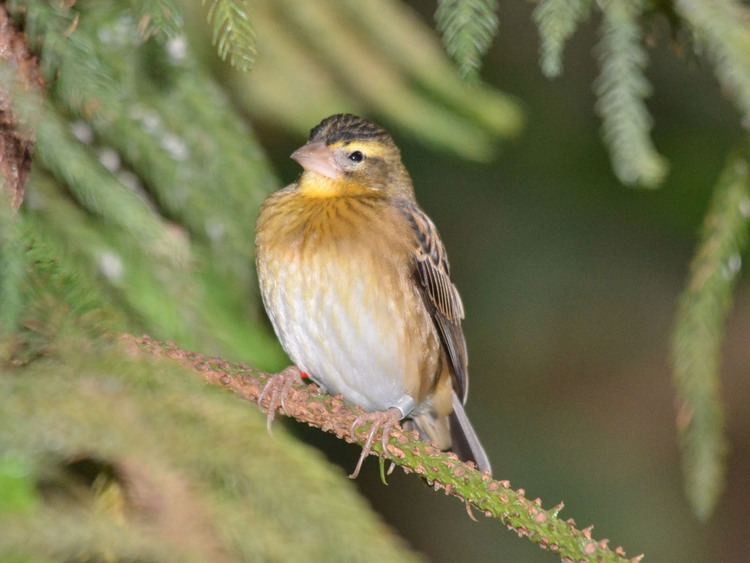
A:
{"points": [[368, 148]]}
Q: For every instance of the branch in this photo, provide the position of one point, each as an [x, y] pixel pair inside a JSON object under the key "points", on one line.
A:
{"points": [[15, 144], [19, 74], [443, 471]]}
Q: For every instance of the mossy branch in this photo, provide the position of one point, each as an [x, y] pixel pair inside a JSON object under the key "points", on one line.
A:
{"points": [[443, 471]]}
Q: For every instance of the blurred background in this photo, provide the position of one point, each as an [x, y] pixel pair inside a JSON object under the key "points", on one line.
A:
{"points": [[569, 278]]}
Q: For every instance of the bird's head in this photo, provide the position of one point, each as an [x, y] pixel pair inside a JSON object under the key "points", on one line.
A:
{"points": [[349, 155]]}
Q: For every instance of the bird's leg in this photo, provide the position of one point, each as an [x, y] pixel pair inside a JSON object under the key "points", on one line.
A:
{"points": [[382, 421], [278, 386]]}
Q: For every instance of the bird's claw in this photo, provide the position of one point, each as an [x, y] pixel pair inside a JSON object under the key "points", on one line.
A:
{"points": [[278, 387], [382, 421]]}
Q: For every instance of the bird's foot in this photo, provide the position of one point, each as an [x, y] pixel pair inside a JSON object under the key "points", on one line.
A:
{"points": [[382, 421], [277, 389]]}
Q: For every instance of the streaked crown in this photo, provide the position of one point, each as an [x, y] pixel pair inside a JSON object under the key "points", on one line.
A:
{"points": [[348, 127]]}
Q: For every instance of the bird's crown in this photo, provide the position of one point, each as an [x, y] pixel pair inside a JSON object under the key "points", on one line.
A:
{"points": [[348, 127]]}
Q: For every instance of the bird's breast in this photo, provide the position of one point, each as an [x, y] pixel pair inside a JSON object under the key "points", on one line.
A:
{"points": [[337, 283]]}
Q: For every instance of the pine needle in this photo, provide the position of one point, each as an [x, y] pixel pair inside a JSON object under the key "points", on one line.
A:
{"points": [[557, 20], [157, 17], [621, 88], [232, 33], [467, 27], [699, 332]]}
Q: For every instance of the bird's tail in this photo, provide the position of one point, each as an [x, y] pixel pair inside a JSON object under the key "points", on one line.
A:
{"points": [[464, 440], [454, 432]]}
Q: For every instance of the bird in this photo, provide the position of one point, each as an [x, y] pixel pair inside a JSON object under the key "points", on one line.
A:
{"points": [[356, 282]]}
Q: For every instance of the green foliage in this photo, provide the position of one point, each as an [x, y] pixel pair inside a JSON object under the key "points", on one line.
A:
{"points": [[621, 87], [699, 332], [373, 57], [140, 214], [47, 27], [421, 58], [139, 460], [102, 193], [557, 20], [720, 28], [142, 140], [17, 493], [12, 271], [157, 16], [467, 27], [233, 34]]}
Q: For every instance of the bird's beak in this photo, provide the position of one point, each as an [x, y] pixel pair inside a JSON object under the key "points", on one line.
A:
{"points": [[316, 157]]}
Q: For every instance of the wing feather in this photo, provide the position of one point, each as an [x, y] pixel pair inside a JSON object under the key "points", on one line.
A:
{"points": [[432, 274]]}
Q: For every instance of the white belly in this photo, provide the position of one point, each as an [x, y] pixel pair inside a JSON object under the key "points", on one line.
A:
{"points": [[346, 329]]}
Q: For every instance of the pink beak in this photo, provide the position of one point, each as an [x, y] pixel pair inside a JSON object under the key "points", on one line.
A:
{"points": [[316, 157]]}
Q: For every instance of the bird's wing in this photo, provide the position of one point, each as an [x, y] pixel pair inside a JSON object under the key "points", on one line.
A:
{"points": [[432, 274]]}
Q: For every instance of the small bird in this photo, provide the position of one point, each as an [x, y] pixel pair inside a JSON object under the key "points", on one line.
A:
{"points": [[356, 282]]}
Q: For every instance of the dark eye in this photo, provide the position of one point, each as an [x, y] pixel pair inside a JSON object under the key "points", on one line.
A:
{"points": [[356, 156]]}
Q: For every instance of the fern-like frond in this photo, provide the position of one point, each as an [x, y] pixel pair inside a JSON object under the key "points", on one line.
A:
{"points": [[557, 20], [621, 88], [233, 35], [699, 333], [157, 16], [101, 192], [467, 27], [722, 27]]}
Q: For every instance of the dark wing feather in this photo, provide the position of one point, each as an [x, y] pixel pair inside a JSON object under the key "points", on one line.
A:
{"points": [[432, 273]]}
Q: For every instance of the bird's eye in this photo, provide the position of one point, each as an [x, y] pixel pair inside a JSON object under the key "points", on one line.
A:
{"points": [[356, 156]]}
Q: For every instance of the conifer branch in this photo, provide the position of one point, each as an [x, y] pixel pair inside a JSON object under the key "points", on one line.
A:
{"points": [[443, 471], [699, 332], [233, 35], [103, 194], [621, 88], [557, 20], [396, 30], [722, 27], [467, 27], [157, 17]]}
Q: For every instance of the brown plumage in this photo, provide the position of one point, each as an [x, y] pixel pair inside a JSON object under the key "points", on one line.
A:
{"points": [[356, 282]]}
